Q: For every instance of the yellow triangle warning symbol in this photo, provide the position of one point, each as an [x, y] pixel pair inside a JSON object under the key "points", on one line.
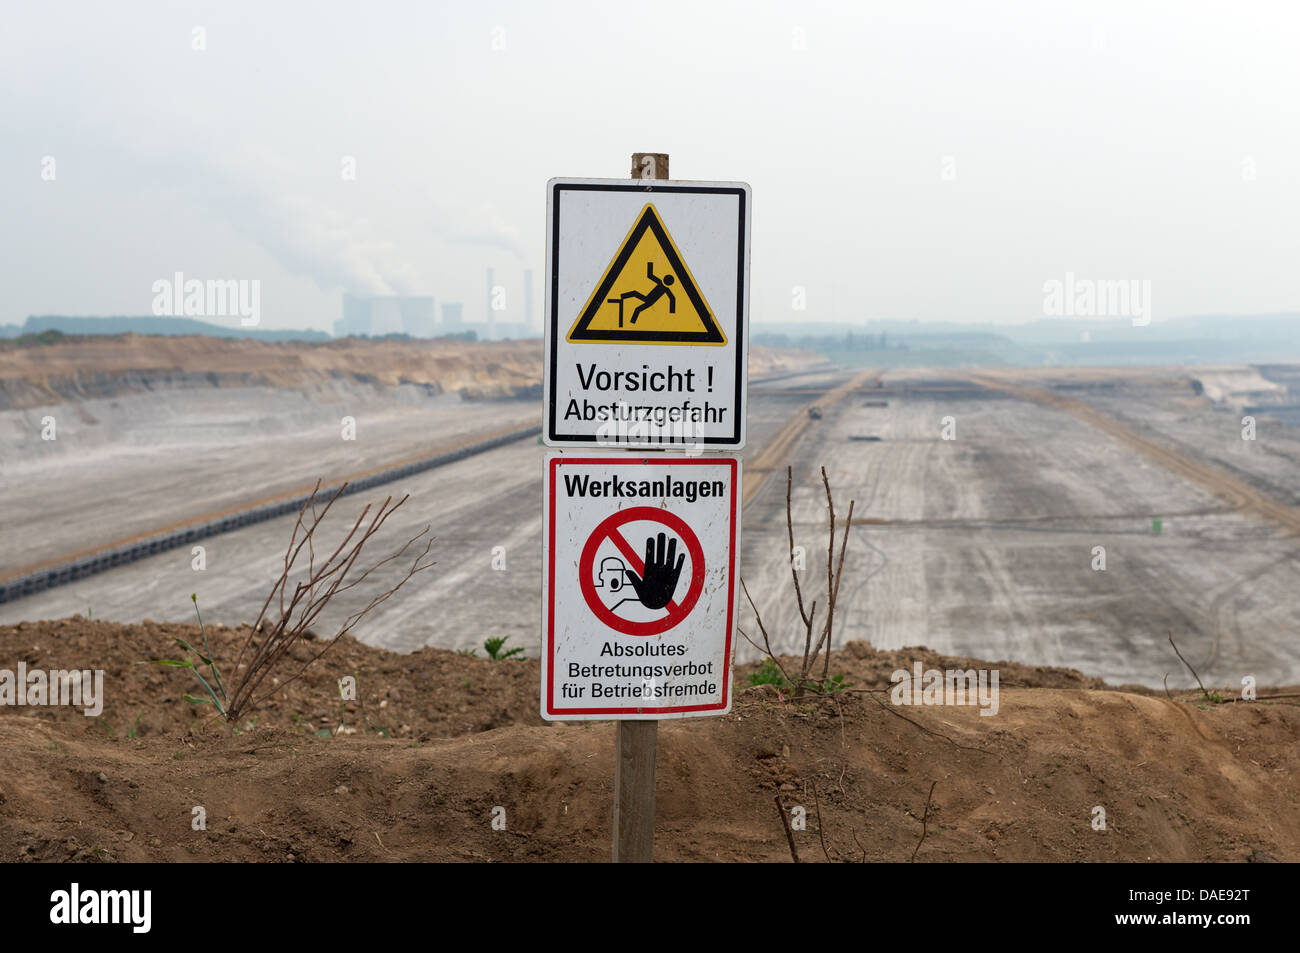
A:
{"points": [[647, 295]]}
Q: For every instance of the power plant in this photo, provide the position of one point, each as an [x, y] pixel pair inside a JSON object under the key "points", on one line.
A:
{"points": [[417, 316]]}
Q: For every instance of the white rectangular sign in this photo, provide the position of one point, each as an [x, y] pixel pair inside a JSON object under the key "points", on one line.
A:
{"points": [[638, 585], [647, 313]]}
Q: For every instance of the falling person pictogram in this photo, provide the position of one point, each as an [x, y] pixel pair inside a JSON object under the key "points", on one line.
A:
{"points": [[647, 300], [646, 271]]}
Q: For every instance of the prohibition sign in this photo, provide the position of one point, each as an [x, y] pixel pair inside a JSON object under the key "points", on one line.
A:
{"points": [[609, 528]]}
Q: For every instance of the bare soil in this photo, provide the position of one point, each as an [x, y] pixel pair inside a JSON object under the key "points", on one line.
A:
{"points": [[436, 740]]}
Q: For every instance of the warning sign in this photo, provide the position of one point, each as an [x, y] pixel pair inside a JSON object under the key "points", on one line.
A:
{"points": [[639, 586], [646, 313], [647, 294]]}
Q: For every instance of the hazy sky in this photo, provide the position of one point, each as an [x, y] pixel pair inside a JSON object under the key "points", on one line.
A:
{"points": [[938, 161]]}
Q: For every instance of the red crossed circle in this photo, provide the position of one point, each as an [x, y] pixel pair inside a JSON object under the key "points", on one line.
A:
{"points": [[609, 528]]}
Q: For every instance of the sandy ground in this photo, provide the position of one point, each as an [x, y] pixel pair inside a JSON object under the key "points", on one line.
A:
{"points": [[438, 745], [983, 545], [133, 465], [472, 506], [162, 431], [980, 547]]}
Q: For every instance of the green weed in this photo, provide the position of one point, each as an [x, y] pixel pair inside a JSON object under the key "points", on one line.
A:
{"points": [[216, 695], [494, 645], [769, 674]]}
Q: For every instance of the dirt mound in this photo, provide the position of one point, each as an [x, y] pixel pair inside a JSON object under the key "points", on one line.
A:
{"points": [[414, 769]]}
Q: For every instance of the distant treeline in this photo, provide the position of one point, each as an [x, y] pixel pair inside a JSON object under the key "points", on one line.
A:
{"points": [[44, 329], [470, 335], [849, 341], [38, 324], [866, 341], [1184, 341]]}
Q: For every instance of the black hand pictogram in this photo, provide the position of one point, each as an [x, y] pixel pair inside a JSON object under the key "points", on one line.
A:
{"points": [[661, 573]]}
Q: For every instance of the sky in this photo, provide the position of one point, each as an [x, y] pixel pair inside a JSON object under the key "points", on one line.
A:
{"points": [[908, 160]]}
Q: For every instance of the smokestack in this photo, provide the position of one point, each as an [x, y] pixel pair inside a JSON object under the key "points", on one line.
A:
{"points": [[491, 324]]}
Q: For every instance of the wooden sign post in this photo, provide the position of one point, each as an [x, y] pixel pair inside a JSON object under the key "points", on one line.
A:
{"points": [[634, 791], [635, 742], [647, 322]]}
